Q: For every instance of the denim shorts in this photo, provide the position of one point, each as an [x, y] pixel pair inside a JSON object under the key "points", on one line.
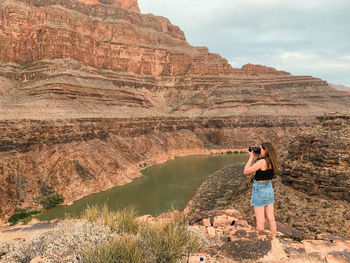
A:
{"points": [[262, 194]]}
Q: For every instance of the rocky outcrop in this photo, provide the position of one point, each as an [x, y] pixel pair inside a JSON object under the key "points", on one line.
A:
{"points": [[255, 70], [306, 216], [340, 87], [232, 239], [127, 4], [318, 160]]}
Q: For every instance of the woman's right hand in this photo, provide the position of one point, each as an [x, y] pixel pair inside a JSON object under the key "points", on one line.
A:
{"points": [[253, 155]]}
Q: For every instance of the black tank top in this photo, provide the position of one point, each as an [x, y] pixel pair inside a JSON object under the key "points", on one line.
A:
{"points": [[261, 175], [264, 175]]}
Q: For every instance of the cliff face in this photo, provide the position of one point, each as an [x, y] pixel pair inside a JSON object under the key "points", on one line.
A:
{"points": [[89, 90], [318, 160], [102, 36], [127, 4]]}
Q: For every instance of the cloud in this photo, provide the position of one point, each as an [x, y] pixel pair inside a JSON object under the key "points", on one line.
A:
{"points": [[303, 37]]}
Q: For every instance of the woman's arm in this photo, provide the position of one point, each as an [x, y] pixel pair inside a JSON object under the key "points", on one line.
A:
{"points": [[249, 168]]}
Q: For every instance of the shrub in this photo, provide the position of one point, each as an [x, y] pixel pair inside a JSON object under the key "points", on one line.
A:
{"points": [[120, 221], [21, 214], [229, 152], [169, 241], [94, 213], [127, 248], [172, 240], [125, 221], [51, 201]]}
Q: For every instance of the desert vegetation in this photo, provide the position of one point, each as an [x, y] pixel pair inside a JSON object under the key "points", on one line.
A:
{"points": [[101, 235]]}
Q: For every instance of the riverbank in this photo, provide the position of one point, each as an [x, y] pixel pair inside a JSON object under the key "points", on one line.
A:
{"points": [[161, 188], [310, 214], [134, 172]]}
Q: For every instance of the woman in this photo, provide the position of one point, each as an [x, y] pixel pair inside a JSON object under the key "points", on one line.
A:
{"points": [[262, 195]]}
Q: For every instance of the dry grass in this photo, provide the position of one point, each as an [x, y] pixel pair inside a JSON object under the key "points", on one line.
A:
{"points": [[127, 248], [119, 221], [166, 241], [172, 240]]}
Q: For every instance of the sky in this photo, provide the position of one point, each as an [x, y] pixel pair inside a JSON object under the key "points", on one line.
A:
{"points": [[303, 37]]}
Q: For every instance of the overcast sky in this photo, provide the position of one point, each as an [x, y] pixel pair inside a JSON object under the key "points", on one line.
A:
{"points": [[303, 37]]}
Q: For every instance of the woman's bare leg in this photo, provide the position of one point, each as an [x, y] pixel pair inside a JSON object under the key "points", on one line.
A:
{"points": [[270, 216], [260, 217]]}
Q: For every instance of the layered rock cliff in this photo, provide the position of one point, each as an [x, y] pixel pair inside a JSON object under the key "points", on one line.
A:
{"points": [[127, 4], [91, 89], [318, 160]]}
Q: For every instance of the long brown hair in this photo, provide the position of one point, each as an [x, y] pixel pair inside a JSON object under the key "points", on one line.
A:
{"points": [[270, 156]]}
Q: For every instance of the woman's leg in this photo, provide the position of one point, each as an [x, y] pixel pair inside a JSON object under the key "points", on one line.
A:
{"points": [[270, 216], [260, 217]]}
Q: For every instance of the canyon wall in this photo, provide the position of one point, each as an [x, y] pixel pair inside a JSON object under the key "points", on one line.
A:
{"points": [[102, 36], [127, 4], [91, 91], [318, 160], [76, 157]]}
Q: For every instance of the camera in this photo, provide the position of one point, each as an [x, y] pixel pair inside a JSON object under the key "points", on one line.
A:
{"points": [[255, 149]]}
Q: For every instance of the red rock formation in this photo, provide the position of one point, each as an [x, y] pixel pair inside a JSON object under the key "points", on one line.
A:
{"points": [[127, 4], [105, 37], [256, 70]]}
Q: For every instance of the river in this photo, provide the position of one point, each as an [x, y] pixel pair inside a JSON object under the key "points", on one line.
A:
{"points": [[163, 187]]}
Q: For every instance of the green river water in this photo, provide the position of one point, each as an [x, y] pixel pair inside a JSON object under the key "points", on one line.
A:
{"points": [[162, 188]]}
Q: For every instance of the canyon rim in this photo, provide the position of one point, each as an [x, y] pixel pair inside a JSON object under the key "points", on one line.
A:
{"points": [[92, 89]]}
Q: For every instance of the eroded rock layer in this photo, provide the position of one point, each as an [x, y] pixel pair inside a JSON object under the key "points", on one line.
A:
{"points": [[73, 90], [127, 4], [318, 161]]}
